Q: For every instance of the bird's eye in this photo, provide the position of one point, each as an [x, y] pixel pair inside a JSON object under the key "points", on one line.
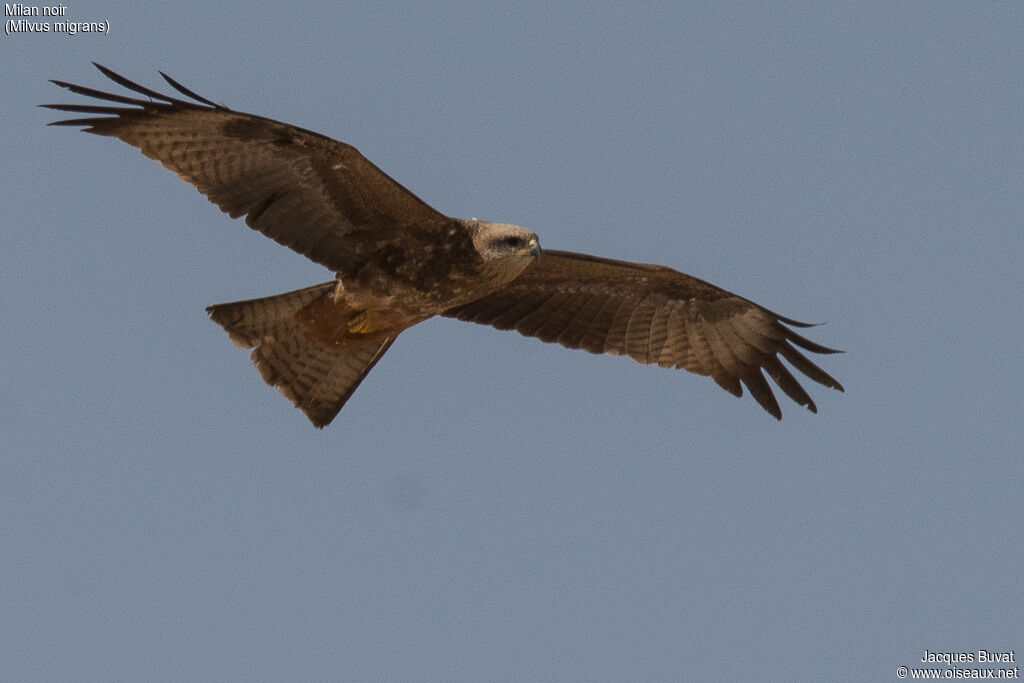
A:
{"points": [[513, 242]]}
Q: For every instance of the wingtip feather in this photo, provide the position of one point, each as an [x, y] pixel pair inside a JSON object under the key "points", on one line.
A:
{"points": [[189, 93]]}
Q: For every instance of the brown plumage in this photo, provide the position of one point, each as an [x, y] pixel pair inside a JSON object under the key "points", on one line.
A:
{"points": [[398, 262]]}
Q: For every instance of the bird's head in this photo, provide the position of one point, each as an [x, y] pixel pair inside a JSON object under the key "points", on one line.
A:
{"points": [[494, 241], [506, 250]]}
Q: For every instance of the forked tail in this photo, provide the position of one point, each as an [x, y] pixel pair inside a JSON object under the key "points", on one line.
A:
{"points": [[315, 375]]}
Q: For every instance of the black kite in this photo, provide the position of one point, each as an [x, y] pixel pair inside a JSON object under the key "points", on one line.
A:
{"points": [[398, 262]]}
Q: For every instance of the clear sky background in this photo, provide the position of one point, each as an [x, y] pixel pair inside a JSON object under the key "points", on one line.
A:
{"points": [[487, 506]]}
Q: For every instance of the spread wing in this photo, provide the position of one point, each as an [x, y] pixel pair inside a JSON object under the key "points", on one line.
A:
{"points": [[655, 315], [313, 194]]}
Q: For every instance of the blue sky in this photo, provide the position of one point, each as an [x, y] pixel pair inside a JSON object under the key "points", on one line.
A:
{"points": [[489, 507]]}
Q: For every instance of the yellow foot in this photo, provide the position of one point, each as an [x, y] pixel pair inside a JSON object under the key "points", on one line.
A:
{"points": [[358, 324]]}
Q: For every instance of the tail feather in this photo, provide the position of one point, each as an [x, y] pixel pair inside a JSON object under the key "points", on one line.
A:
{"points": [[249, 322], [315, 375]]}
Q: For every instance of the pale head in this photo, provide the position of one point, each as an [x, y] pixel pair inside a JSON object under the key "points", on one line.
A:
{"points": [[506, 249]]}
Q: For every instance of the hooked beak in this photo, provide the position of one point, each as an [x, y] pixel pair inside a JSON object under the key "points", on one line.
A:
{"points": [[535, 251]]}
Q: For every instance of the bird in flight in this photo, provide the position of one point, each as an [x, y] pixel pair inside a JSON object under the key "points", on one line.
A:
{"points": [[397, 261]]}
